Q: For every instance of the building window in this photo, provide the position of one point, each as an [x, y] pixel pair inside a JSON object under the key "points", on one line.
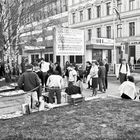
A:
{"points": [[98, 11], [119, 30], [76, 59], [81, 15], [71, 59], [131, 4], [34, 58], [58, 59], [99, 32], [54, 8], [89, 34], [49, 57], [65, 7], [73, 18], [89, 13], [132, 29], [73, 2], [108, 8], [58, 4], [119, 5], [108, 30]]}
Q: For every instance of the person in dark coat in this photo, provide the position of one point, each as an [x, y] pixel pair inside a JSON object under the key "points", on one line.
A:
{"points": [[87, 71], [106, 73], [2, 71], [101, 77], [57, 68], [29, 80]]}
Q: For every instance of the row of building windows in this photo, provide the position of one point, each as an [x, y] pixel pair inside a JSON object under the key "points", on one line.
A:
{"points": [[108, 31], [98, 10], [51, 9], [49, 57]]}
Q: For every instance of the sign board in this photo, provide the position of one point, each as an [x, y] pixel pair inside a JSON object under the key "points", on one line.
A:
{"points": [[69, 41], [102, 41]]}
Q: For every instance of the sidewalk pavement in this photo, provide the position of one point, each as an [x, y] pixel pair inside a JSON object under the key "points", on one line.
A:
{"points": [[113, 89], [136, 75]]}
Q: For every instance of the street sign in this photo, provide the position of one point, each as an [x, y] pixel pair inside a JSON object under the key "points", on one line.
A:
{"points": [[102, 41]]}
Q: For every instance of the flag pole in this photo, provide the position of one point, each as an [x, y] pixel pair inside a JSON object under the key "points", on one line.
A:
{"points": [[114, 38]]}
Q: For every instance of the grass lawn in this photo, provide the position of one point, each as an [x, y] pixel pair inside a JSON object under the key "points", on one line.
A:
{"points": [[97, 119]]}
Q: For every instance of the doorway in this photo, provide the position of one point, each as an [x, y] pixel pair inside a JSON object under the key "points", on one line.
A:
{"points": [[97, 55], [132, 52]]}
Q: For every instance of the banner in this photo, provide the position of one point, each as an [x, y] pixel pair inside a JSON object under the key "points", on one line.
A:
{"points": [[69, 41]]}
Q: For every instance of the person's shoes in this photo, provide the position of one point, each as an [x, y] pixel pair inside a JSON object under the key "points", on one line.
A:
{"points": [[88, 87], [94, 94]]}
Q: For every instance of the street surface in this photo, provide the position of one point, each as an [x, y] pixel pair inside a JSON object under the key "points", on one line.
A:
{"points": [[113, 85]]}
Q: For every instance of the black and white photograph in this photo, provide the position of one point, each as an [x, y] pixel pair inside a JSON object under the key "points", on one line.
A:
{"points": [[69, 69]]}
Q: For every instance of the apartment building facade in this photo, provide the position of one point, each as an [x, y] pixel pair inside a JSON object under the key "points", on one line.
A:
{"points": [[37, 24], [96, 18]]}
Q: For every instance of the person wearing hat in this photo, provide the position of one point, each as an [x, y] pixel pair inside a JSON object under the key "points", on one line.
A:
{"points": [[123, 71], [29, 81]]}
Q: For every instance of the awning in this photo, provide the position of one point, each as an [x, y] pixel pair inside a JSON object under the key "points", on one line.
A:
{"points": [[33, 49]]}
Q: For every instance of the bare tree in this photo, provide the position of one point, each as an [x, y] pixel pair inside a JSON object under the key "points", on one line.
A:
{"points": [[10, 20], [13, 12]]}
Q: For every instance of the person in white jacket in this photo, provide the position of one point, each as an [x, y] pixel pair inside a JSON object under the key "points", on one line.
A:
{"points": [[127, 89]]}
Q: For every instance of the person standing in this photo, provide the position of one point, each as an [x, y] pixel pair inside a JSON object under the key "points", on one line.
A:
{"points": [[57, 68], [87, 71], [72, 75], [51, 68], [106, 72], [2, 71], [37, 70], [66, 73], [94, 75], [123, 71], [7, 72], [101, 77], [29, 81], [44, 68], [54, 84]]}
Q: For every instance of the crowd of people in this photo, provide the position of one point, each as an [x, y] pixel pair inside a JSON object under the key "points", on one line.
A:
{"points": [[51, 77], [48, 76], [96, 75]]}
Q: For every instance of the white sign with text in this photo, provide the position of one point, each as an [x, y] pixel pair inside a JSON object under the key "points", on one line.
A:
{"points": [[69, 41]]}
